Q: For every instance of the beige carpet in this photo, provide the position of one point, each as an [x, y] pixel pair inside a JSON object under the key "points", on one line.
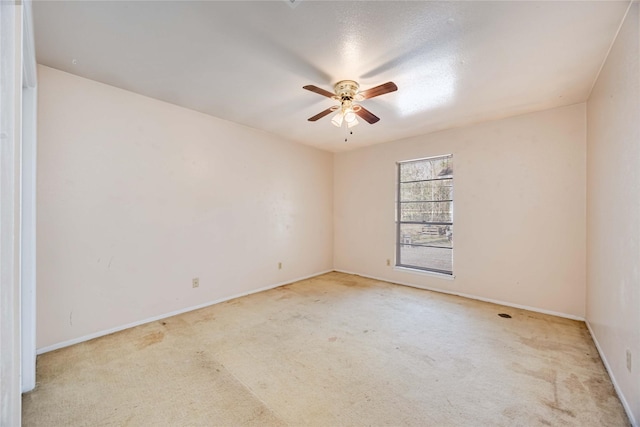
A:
{"points": [[335, 350]]}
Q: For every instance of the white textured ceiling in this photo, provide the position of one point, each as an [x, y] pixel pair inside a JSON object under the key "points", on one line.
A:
{"points": [[454, 62]]}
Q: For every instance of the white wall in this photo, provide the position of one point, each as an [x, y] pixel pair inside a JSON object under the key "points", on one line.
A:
{"points": [[519, 209], [613, 211], [136, 197]]}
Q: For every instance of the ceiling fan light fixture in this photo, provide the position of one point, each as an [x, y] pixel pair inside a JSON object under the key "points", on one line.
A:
{"points": [[337, 119], [349, 115], [352, 123]]}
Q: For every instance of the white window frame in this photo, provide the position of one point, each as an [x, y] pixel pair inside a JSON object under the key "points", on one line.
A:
{"points": [[399, 265]]}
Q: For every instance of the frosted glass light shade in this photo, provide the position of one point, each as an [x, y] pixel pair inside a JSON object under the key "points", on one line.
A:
{"points": [[349, 115], [337, 119]]}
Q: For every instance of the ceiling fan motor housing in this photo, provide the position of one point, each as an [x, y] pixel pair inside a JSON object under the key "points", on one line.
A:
{"points": [[346, 90]]}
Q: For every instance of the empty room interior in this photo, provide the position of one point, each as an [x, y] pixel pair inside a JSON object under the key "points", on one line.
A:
{"points": [[299, 212]]}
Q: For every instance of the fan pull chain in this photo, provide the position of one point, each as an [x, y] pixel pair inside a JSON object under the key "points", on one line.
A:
{"points": [[346, 135]]}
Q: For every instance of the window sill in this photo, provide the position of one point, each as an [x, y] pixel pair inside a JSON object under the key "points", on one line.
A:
{"points": [[425, 273]]}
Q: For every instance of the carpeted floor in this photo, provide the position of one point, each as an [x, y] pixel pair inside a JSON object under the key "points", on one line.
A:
{"points": [[335, 350]]}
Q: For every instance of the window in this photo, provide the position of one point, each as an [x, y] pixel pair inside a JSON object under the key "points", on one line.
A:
{"points": [[424, 230]]}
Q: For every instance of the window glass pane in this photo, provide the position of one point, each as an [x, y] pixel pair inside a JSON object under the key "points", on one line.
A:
{"points": [[427, 190], [426, 211], [426, 257], [439, 167], [434, 235]]}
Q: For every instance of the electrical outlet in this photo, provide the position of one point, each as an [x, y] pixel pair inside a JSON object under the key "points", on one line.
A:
{"points": [[279, 266], [388, 262], [629, 360], [195, 282]]}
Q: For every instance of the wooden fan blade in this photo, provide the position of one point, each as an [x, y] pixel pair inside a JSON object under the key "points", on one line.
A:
{"points": [[367, 115], [319, 91], [379, 90], [321, 114]]}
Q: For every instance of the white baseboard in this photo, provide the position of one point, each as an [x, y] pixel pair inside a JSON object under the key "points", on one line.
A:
{"points": [[84, 338], [625, 404], [475, 297]]}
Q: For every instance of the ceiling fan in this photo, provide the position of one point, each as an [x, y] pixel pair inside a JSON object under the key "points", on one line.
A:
{"points": [[347, 93]]}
